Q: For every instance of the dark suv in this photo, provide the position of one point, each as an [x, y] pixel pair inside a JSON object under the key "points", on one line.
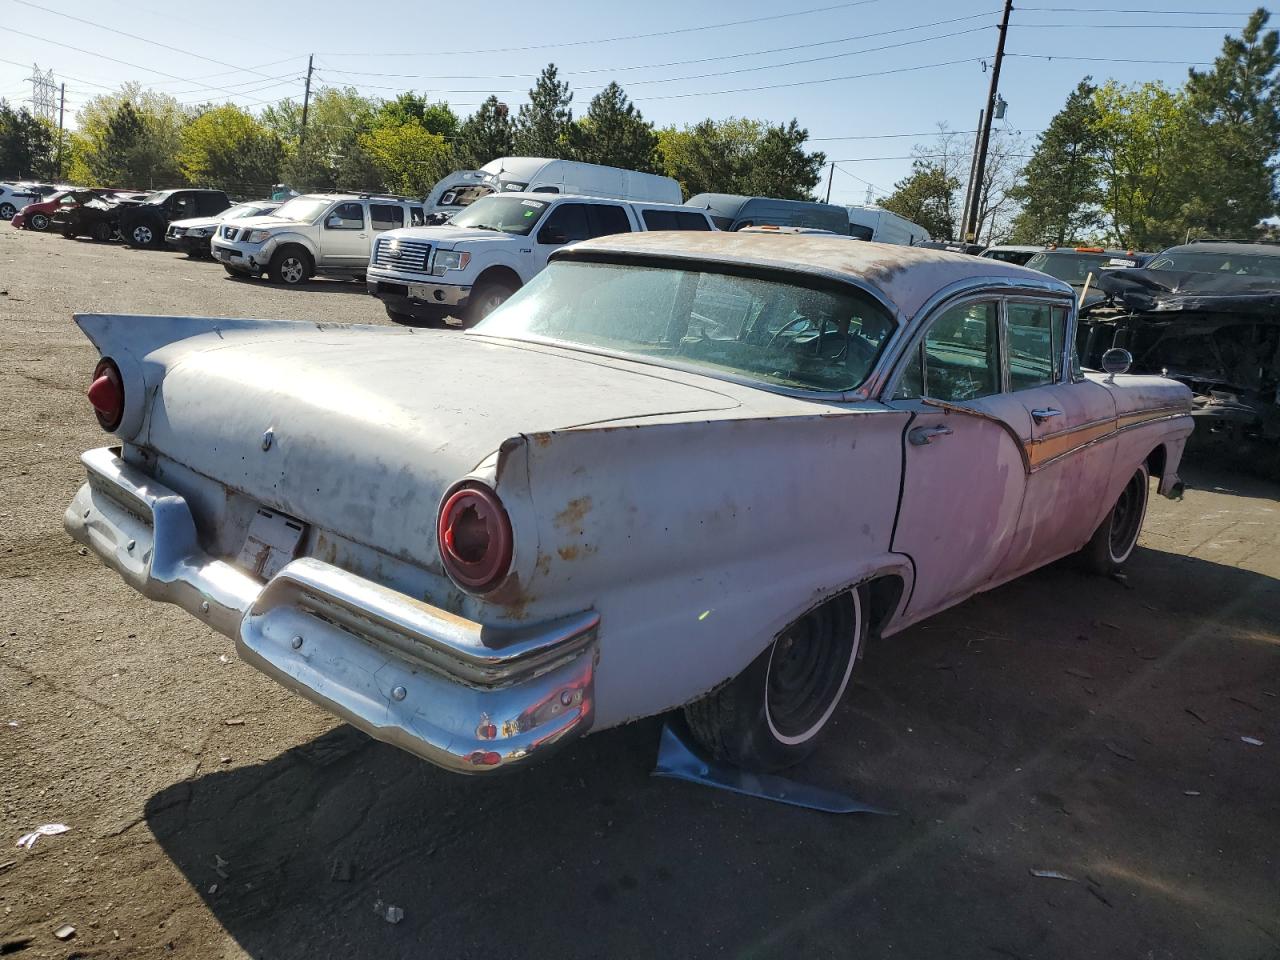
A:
{"points": [[143, 224], [1234, 258]]}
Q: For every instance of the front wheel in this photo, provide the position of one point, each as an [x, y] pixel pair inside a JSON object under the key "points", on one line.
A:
{"points": [[770, 715], [142, 235], [101, 232], [290, 266], [1113, 542], [485, 298], [38, 221]]}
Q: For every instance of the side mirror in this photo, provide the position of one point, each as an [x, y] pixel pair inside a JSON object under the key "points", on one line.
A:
{"points": [[1116, 360], [552, 236]]}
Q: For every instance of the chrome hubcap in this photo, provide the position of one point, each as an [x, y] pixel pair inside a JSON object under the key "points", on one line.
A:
{"points": [[142, 234], [291, 270], [7, 211], [1127, 517], [39, 221]]}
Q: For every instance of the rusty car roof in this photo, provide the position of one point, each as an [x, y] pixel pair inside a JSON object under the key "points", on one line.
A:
{"points": [[907, 277]]}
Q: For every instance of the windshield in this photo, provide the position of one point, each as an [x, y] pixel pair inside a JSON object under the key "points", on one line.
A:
{"points": [[464, 196], [1237, 264], [1010, 256], [303, 209], [507, 214], [158, 197], [244, 210], [1071, 267], [775, 331]]}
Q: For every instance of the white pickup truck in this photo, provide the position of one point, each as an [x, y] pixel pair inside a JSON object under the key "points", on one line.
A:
{"points": [[489, 250]]}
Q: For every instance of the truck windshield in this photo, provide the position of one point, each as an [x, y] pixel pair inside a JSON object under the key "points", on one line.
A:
{"points": [[516, 215], [781, 331], [1237, 264]]}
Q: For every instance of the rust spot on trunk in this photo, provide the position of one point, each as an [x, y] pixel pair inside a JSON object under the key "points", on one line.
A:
{"points": [[573, 514], [568, 553]]}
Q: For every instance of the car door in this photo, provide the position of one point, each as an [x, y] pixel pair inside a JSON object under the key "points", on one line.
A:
{"points": [[567, 223], [1071, 422], [180, 206], [964, 467], [346, 237]]}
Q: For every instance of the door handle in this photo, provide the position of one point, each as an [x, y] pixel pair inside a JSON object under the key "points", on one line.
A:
{"points": [[921, 436], [1045, 413]]}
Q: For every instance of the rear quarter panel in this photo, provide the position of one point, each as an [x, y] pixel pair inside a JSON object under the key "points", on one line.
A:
{"points": [[698, 541]]}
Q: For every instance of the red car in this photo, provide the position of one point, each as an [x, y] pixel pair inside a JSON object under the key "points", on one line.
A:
{"points": [[38, 216]]}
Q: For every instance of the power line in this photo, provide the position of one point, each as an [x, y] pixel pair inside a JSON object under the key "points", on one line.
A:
{"points": [[1057, 56], [134, 36], [634, 36], [669, 63], [1171, 13], [806, 83], [921, 156], [1128, 26]]}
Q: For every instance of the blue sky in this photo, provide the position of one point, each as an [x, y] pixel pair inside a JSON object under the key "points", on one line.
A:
{"points": [[922, 75]]}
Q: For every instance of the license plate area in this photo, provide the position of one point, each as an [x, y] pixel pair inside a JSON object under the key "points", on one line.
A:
{"points": [[272, 541], [420, 291]]}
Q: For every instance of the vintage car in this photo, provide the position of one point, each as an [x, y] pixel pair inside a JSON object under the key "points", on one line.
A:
{"points": [[691, 469]]}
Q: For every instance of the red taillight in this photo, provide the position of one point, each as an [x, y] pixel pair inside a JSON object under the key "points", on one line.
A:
{"points": [[475, 539], [106, 393]]}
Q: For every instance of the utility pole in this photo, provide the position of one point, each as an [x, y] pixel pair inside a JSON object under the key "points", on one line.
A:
{"points": [[62, 106], [968, 192], [984, 138], [306, 104], [830, 176]]}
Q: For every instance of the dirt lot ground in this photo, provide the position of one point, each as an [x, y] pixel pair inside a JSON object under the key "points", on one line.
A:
{"points": [[1059, 723]]}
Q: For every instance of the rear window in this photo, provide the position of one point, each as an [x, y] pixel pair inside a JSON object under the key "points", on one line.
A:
{"points": [[1236, 264], [674, 220], [607, 219], [385, 216]]}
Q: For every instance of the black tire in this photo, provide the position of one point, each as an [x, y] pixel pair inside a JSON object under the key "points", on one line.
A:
{"points": [[38, 222], [772, 714], [238, 272], [486, 297], [144, 235], [101, 232], [291, 266], [1112, 543], [419, 317], [7, 210]]}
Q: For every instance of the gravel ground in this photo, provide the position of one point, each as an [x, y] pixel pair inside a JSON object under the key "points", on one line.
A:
{"points": [[1061, 723]]}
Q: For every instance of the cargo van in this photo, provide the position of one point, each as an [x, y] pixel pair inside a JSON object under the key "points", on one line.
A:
{"points": [[883, 226], [539, 175], [732, 212]]}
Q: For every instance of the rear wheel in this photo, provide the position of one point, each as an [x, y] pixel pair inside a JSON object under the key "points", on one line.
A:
{"points": [[1113, 542], [142, 235], [771, 714], [485, 298], [7, 210], [290, 266], [101, 232], [38, 221]]}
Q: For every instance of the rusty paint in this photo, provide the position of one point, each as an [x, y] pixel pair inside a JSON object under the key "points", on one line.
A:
{"points": [[568, 553], [543, 566], [542, 439], [572, 515]]}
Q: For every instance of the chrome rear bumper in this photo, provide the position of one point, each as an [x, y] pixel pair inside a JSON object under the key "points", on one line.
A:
{"points": [[465, 696]]}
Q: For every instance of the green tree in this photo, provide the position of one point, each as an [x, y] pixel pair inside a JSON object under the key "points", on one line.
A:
{"points": [[1144, 146], [780, 167], [407, 157], [1060, 193], [1235, 124], [616, 134], [410, 107], [544, 125], [485, 135], [28, 145], [925, 196], [131, 138], [331, 156], [226, 147]]}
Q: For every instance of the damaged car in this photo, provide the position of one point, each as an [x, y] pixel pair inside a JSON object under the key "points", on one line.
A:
{"points": [[1215, 329], [691, 470]]}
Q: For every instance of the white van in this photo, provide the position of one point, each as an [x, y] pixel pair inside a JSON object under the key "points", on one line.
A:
{"points": [[883, 226], [539, 175]]}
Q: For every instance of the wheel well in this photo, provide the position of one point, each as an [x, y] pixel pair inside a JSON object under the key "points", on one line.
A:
{"points": [[1156, 461], [883, 596], [504, 275], [299, 247]]}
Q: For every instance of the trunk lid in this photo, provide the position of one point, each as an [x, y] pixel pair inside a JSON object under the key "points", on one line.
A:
{"points": [[369, 428]]}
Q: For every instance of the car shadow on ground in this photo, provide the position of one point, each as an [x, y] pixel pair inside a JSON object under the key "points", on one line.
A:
{"points": [[314, 285], [1043, 725]]}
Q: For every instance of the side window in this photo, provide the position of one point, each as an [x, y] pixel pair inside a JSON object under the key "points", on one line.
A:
{"points": [[1035, 332], [545, 190], [567, 223], [385, 216], [911, 385], [181, 205], [345, 216], [415, 217], [607, 218], [1060, 317], [961, 356], [209, 203], [658, 219]]}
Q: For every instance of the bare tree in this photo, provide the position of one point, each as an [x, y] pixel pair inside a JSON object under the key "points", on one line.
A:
{"points": [[952, 153]]}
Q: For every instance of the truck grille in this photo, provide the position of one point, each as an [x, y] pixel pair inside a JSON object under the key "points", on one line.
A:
{"points": [[399, 252], [230, 233]]}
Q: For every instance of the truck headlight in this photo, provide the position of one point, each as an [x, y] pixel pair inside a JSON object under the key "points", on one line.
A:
{"points": [[449, 260], [256, 236]]}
